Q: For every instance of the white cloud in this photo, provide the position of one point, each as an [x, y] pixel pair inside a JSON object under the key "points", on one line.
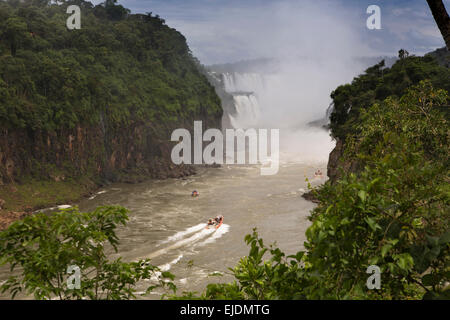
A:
{"points": [[274, 29], [229, 30]]}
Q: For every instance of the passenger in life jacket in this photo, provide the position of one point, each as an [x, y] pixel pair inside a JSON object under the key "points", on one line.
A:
{"points": [[195, 193], [210, 222], [318, 173]]}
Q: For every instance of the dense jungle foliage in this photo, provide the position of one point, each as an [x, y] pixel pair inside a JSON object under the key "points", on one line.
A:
{"points": [[63, 255], [118, 65], [378, 83]]}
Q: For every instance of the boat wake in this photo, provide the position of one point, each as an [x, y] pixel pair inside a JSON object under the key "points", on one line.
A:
{"points": [[180, 235], [216, 235], [193, 236]]}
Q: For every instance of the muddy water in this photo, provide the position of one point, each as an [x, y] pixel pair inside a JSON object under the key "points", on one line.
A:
{"points": [[168, 225]]}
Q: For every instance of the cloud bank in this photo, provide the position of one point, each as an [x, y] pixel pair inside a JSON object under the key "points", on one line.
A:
{"points": [[220, 31]]}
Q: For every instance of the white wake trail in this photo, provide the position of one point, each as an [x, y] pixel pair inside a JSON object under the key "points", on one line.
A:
{"points": [[216, 235], [183, 242], [197, 233], [182, 234]]}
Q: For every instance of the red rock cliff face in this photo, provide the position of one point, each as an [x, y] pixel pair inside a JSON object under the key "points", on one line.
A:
{"points": [[127, 154]]}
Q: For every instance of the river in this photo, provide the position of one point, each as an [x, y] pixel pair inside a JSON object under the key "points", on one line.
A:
{"points": [[168, 225]]}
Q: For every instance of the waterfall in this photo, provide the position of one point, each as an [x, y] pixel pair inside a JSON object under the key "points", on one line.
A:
{"points": [[243, 82], [245, 88], [247, 112]]}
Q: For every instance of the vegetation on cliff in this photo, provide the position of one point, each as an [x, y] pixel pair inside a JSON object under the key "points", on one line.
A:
{"points": [[378, 83], [127, 66], [78, 107]]}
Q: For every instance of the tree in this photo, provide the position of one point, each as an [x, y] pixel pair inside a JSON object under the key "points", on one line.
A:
{"points": [[442, 19], [15, 31], [115, 11], [402, 54], [47, 246]]}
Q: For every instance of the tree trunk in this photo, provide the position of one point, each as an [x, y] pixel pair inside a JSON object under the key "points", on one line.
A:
{"points": [[442, 19]]}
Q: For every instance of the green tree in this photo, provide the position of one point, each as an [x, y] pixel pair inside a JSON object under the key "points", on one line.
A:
{"points": [[15, 32], [45, 245], [115, 11]]}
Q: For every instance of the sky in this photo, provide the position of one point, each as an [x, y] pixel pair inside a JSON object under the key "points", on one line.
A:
{"points": [[221, 31], [314, 44]]}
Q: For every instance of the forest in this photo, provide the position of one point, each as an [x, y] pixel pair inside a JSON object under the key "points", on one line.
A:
{"points": [[133, 66], [82, 107]]}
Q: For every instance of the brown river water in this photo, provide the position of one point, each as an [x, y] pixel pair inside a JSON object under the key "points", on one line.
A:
{"points": [[167, 224]]}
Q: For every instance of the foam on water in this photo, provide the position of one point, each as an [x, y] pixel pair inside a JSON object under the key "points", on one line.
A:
{"points": [[182, 234], [216, 235], [191, 236], [183, 242], [166, 267]]}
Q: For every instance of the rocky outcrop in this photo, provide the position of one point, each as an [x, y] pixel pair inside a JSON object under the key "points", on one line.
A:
{"points": [[129, 154], [333, 160], [101, 154], [310, 196], [338, 164]]}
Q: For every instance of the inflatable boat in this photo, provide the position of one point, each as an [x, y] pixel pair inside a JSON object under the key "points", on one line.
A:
{"points": [[213, 223]]}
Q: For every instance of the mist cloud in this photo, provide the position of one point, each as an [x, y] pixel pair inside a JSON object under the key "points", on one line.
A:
{"points": [[220, 31]]}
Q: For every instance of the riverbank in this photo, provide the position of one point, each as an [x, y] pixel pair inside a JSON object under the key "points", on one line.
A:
{"points": [[18, 200]]}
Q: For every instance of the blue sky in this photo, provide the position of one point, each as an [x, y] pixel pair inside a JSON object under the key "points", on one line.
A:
{"points": [[221, 31]]}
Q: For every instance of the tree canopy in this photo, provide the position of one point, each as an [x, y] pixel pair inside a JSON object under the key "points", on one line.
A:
{"points": [[378, 83], [131, 67]]}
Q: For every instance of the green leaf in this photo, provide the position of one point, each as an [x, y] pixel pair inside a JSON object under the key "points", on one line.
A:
{"points": [[404, 261], [362, 195], [372, 224], [385, 249]]}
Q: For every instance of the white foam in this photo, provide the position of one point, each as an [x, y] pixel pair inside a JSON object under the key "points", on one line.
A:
{"points": [[200, 234], [164, 268], [167, 266], [195, 237], [216, 235], [182, 234]]}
